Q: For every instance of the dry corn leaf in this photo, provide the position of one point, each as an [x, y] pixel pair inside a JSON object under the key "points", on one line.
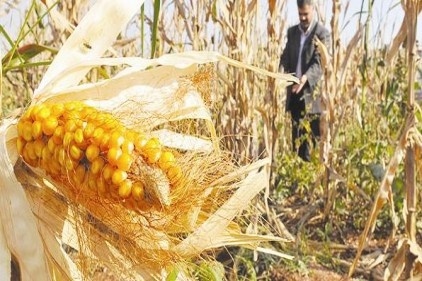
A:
{"points": [[91, 38], [19, 225], [347, 58], [397, 264], [211, 232], [51, 213], [399, 39], [5, 256], [247, 240], [182, 141], [55, 218], [274, 253]]}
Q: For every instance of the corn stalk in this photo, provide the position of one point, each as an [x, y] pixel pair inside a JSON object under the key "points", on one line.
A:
{"points": [[411, 8]]}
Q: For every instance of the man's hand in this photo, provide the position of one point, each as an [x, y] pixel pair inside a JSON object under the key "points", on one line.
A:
{"points": [[296, 88]]}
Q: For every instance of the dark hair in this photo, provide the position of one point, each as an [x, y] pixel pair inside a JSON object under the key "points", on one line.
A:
{"points": [[301, 3]]}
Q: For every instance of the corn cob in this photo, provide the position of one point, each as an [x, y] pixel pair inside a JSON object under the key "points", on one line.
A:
{"points": [[91, 149]]}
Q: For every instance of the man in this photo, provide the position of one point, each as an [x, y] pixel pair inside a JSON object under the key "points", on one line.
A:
{"points": [[300, 56]]}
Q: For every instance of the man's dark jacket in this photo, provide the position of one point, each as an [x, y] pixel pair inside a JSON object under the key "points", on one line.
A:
{"points": [[311, 62]]}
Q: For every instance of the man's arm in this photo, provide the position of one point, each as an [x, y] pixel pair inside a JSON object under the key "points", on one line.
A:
{"points": [[314, 72]]}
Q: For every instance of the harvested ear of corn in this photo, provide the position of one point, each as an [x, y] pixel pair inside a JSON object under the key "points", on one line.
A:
{"points": [[84, 148]]}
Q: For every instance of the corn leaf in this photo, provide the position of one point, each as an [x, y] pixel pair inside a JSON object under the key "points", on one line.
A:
{"points": [[19, 225], [211, 233], [186, 61], [91, 38], [5, 256], [397, 264], [181, 141]]}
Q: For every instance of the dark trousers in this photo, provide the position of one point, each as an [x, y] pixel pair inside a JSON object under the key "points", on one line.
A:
{"points": [[301, 135]]}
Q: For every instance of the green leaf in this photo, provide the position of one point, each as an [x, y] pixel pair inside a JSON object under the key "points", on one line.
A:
{"points": [[173, 275], [157, 6], [214, 11], [22, 55], [211, 271]]}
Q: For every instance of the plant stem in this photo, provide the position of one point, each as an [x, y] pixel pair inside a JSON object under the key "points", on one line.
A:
{"points": [[411, 192]]}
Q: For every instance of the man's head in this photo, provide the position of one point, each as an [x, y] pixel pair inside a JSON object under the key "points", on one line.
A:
{"points": [[306, 13]]}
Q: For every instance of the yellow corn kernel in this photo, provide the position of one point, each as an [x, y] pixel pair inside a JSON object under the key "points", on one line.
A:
{"points": [[140, 142], [51, 145], [35, 109], [104, 141], [131, 135], [75, 152], [166, 160], [73, 105], [124, 162], [70, 126], [153, 154], [89, 130], [45, 165], [92, 117], [20, 144], [43, 113], [79, 136], [25, 154], [92, 152], [100, 118], [54, 167], [113, 155], [116, 139], [61, 157], [29, 147], [108, 171], [46, 154], [86, 111], [152, 150], [97, 165], [118, 177], [20, 126], [174, 173], [58, 135], [153, 143], [36, 129], [79, 174], [67, 139], [97, 135], [101, 186], [92, 182], [128, 146], [70, 164], [71, 115], [49, 125], [138, 192], [57, 109], [38, 147], [27, 131], [125, 188]]}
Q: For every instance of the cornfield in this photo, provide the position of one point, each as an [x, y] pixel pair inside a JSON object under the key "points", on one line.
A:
{"points": [[147, 140]]}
